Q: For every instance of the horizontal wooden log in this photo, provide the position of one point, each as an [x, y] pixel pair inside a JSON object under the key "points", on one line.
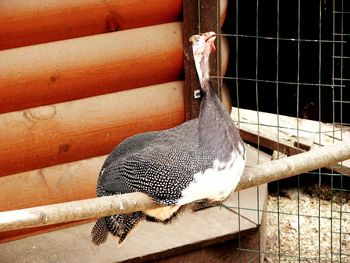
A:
{"points": [[126, 203], [31, 22], [80, 129], [55, 184], [50, 185], [77, 68]]}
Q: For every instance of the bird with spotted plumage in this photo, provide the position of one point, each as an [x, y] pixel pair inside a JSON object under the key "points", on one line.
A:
{"points": [[201, 159]]}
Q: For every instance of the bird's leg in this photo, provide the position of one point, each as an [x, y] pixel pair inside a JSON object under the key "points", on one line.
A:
{"points": [[203, 204]]}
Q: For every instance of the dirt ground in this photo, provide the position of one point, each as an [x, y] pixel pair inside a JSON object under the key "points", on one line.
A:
{"points": [[321, 232]]}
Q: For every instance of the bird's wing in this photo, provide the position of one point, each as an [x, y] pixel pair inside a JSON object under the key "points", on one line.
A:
{"points": [[131, 145], [126, 148], [162, 169], [160, 179]]}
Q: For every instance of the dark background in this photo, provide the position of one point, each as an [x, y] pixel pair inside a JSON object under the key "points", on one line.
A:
{"points": [[316, 63]]}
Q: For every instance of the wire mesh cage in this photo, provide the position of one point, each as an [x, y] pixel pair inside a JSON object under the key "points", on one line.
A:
{"points": [[289, 65]]}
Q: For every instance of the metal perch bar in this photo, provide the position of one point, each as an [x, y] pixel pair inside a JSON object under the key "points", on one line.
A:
{"points": [[126, 203]]}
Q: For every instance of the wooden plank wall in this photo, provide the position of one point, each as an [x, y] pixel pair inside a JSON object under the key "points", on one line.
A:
{"points": [[73, 88], [24, 23]]}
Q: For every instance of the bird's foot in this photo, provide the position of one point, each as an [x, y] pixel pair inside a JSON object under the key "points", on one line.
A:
{"points": [[204, 204]]}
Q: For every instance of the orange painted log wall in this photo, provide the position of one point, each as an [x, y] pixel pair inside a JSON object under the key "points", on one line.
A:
{"points": [[88, 66], [64, 132], [51, 185], [32, 22]]}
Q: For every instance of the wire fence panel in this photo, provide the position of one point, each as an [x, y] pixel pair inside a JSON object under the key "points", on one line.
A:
{"points": [[291, 58]]}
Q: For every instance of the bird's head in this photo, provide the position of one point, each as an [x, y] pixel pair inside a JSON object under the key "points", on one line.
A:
{"points": [[202, 45]]}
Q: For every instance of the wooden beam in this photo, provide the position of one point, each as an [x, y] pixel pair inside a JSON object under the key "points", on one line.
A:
{"points": [[187, 232], [32, 22], [126, 203], [190, 27], [80, 129], [83, 67], [200, 17], [290, 135]]}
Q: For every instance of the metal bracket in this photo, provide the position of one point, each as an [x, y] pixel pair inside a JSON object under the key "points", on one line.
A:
{"points": [[197, 94]]}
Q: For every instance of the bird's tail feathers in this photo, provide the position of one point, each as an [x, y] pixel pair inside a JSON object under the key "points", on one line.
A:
{"points": [[99, 232], [121, 225], [117, 225]]}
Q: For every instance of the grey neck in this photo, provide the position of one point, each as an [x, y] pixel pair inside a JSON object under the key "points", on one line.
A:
{"points": [[216, 128]]}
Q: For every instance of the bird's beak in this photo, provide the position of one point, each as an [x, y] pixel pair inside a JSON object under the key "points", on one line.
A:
{"points": [[211, 36]]}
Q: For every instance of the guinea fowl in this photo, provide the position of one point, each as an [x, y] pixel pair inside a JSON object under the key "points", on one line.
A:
{"points": [[201, 159]]}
